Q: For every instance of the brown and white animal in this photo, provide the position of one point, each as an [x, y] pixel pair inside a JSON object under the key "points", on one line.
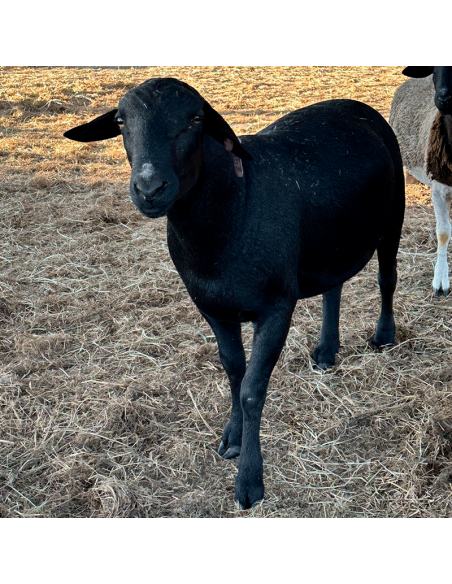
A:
{"points": [[421, 117]]}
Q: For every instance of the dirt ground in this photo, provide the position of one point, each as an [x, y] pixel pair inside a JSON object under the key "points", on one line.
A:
{"points": [[112, 396]]}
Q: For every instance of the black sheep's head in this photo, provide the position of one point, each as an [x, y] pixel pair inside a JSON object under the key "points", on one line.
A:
{"points": [[162, 122]]}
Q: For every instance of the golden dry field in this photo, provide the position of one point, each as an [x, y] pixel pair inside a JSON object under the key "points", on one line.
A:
{"points": [[112, 396]]}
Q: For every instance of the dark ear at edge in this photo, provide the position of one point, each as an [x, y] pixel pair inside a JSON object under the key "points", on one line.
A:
{"points": [[220, 130], [100, 128], [417, 72]]}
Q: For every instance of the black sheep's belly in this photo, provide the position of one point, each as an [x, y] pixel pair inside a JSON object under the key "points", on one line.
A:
{"points": [[223, 299]]}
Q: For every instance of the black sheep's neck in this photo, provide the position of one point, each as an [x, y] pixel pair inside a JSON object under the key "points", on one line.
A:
{"points": [[208, 217]]}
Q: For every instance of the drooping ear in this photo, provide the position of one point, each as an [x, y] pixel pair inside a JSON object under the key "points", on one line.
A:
{"points": [[100, 128], [221, 131], [417, 72]]}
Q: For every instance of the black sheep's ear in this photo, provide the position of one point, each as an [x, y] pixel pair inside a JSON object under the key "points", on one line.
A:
{"points": [[417, 72], [100, 128], [221, 131]]}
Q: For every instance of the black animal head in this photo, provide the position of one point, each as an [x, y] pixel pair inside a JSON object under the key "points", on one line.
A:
{"points": [[442, 80], [162, 122]]}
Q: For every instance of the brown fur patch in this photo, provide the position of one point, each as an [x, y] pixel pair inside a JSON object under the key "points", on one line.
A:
{"points": [[443, 238], [410, 180], [439, 157]]}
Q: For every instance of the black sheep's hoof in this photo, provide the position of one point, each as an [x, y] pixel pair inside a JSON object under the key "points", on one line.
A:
{"points": [[323, 366], [231, 452], [382, 340], [384, 335], [380, 346], [247, 494], [324, 357], [231, 441], [256, 504]]}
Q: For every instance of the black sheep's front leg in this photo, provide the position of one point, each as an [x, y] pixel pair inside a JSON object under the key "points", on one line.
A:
{"points": [[232, 356], [269, 337]]}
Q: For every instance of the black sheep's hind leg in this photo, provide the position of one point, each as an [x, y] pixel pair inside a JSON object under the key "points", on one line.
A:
{"points": [[385, 332], [325, 352], [387, 279], [387, 250]]}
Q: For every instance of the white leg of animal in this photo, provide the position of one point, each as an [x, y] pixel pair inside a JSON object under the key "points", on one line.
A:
{"points": [[441, 195]]}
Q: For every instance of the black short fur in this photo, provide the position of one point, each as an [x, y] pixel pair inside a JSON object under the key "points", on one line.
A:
{"points": [[323, 188]]}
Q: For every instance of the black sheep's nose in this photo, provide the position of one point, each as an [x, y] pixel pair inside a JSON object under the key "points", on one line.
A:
{"points": [[147, 189]]}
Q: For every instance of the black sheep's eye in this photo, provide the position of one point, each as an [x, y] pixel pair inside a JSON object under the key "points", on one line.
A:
{"points": [[197, 120], [120, 121]]}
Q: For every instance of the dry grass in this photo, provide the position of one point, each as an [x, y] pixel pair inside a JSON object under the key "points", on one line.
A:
{"points": [[112, 397]]}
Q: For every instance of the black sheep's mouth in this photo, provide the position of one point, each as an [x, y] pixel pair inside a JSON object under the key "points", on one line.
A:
{"points": [[155, 193], [155, 206]]}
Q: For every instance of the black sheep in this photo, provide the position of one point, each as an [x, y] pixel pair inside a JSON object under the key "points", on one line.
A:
{"points": [[257, 223]]}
